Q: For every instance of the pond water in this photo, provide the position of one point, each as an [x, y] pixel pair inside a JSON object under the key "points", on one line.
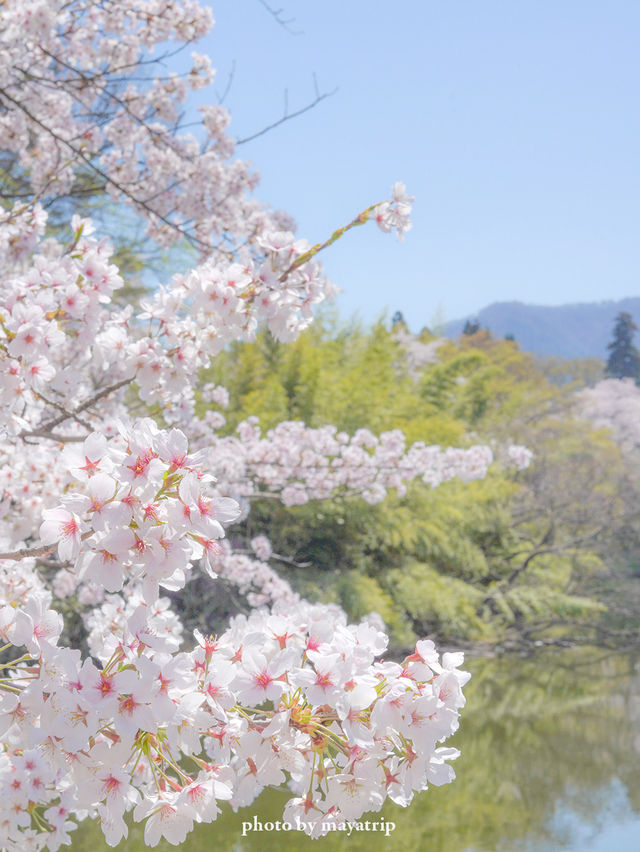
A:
{"points": [[550, 763]]}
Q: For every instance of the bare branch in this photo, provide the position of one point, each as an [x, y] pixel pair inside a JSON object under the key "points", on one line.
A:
{"points": [[278, 556], [540, 551], [278, 17], [288, 116], [51, 436], [289, 561], [61, 408], [26, 552], [45, 430], [41, 550], [222, 98]]}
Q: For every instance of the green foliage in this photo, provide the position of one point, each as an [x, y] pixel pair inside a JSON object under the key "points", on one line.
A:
{"points": [[438, 604], [576, 372], [514, 555], [346, 377], [360, 595]]}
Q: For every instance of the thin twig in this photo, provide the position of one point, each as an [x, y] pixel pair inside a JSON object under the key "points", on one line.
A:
{"points": [[51, 424], [287, 117], [360, 219], [62, 409], [278, 556], [222, 98], [277, 15], [289, 561]]}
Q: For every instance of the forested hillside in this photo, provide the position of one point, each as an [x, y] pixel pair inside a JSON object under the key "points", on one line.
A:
{"points": [[580, 330]]}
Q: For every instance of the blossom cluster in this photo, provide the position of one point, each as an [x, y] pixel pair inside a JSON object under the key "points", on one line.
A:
{"points": [[301, 463], [519, 456], [614, 404], [254, 577], [295, 696], [144, 511]]}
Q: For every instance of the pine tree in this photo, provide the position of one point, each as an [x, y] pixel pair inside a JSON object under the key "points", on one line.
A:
{"points": [[624, 358]]}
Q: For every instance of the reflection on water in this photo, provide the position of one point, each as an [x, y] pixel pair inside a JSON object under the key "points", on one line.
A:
{"points": [[550, 762], [613, 826]]}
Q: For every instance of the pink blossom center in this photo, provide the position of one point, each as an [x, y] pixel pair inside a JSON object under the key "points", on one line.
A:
{"points": [[323, 679], [263, 679], [90, 466], [128, 705], [69, 528], [205, 506], [111, 785]]}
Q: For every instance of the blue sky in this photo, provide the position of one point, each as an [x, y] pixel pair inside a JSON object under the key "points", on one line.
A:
{"points": [[514, 124]]}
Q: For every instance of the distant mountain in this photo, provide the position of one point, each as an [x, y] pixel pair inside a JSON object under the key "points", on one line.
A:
{"points": [[578, 330]]}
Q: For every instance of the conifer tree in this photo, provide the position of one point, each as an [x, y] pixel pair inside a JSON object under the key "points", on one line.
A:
{"points": [[624, 358], [471, 327]]}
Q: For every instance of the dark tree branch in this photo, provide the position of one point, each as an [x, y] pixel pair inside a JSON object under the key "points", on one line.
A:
{"points": [[45, 430], [40, 550]]}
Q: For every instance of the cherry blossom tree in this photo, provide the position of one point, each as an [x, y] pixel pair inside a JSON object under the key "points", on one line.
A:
{"points": [[113, 489], [614, 404]]}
